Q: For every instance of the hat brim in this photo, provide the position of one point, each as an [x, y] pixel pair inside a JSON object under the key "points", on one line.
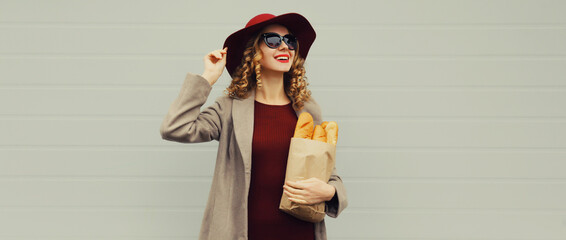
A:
{"points": [[295, 23]]}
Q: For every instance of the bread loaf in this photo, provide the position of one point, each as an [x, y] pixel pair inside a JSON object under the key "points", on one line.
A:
{"points": [[304, 128], [319, 134], [331, 132]]}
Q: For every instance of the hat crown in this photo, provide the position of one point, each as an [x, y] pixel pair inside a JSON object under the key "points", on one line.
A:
{"points": [[260, 18]]}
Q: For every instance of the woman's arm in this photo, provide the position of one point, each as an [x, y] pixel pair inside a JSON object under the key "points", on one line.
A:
{"points": [[185, 122]]}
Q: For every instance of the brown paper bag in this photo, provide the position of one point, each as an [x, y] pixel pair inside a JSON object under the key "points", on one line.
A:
{"points": [[308, 158]]}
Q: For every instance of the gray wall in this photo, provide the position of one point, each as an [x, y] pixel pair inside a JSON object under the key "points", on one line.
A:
{"points": [[452, 115]]}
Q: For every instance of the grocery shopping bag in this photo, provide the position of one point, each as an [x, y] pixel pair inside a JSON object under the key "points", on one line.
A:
{"points": [[308, 158]]}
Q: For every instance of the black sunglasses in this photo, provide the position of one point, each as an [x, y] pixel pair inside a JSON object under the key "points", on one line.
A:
{"points": [[273, 40]]}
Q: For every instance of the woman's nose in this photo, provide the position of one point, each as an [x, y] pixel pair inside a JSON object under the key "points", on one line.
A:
{"points": [[283, 46]]}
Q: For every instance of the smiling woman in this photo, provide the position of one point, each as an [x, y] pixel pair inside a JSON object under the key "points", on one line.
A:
{"points": [[254, 124], [270, 62], [269, 57]]}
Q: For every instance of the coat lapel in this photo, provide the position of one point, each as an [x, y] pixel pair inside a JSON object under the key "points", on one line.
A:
{"points": [[243, 120]]}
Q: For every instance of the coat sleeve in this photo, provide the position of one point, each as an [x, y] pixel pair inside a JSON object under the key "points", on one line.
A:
{"points": [[185, 122], [339, 202]]}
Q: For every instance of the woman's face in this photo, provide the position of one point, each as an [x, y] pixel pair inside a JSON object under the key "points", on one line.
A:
{"points": [[277, 59]]}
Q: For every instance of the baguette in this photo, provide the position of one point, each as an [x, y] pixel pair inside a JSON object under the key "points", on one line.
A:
{"points": [[331, 132], [319, 134], [304, 128]]}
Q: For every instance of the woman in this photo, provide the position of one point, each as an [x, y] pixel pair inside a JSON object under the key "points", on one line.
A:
{"points": [[254, 123]]}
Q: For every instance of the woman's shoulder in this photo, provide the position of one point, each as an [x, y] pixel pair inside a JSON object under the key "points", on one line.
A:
{"points": [[225, 102]]}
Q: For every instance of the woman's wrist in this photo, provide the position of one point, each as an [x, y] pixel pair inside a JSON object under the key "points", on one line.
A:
{"points": [[211, 78], [331, 192]]}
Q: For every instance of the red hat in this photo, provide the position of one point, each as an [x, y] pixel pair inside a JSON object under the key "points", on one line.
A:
{"points": [[294, 22]]}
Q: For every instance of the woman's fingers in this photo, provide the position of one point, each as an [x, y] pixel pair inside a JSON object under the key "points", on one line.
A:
{"points": [[220, 53], [294, 190], [216, 55], [289, 194], [299, 201], [296, 194], [295, 184], [296, 198]]}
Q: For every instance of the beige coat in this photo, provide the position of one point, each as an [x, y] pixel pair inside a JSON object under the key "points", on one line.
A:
{"points": [[229, 121]]}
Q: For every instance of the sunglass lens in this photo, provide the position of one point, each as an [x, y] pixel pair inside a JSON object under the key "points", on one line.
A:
{"points": [[272, 41], [291, 41]]}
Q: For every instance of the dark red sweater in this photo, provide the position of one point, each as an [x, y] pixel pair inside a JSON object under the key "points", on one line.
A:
{"points": [[273, 129]]}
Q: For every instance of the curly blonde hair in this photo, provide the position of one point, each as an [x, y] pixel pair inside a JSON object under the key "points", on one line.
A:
{"points": [[246, 76]]}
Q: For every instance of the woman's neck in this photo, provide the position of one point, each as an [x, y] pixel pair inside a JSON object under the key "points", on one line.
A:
{"points": [[272, 91]]}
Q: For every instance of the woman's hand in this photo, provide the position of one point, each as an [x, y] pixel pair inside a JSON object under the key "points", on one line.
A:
{"points": [[214, 63], [310, 191]]}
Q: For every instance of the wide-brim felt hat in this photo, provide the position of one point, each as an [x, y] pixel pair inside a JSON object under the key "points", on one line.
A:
{"points": [[294, 22]]}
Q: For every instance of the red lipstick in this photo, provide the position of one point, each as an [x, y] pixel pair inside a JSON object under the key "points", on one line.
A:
{"points": [[283, 58]]}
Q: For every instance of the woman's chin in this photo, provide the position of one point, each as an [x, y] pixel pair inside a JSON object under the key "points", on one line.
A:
{"points": [[277, 70]]}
